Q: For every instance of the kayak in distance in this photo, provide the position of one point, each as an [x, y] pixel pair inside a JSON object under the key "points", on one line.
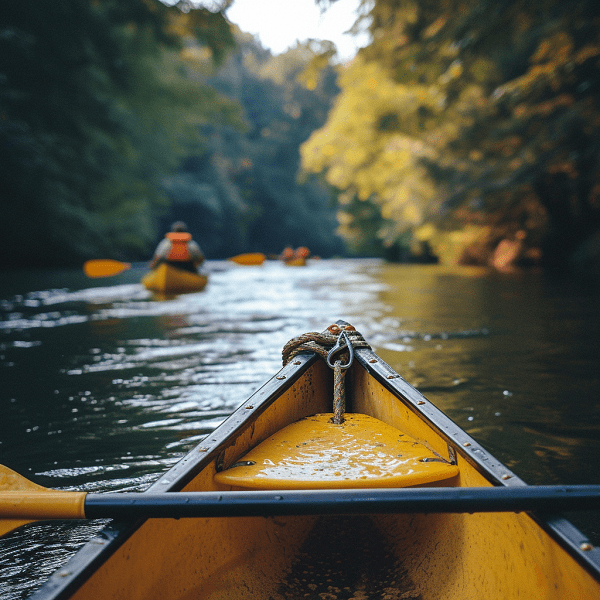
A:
{"points": [[297, 261], [336, 479], [168, 279], [295, 258]]}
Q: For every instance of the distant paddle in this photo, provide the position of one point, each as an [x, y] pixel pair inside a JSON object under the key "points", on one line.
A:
{"points": [[250, 258], [104, 267], [22, 501]]}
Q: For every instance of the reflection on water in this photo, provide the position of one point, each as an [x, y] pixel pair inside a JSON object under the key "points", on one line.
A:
{"points": [[512, 359], [106, 386]]}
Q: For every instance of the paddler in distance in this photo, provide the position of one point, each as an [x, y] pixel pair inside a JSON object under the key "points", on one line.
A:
{"points": [[178, 249]]}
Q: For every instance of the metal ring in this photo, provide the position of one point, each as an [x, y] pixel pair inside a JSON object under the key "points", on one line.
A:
{"points": [[338, 348]]}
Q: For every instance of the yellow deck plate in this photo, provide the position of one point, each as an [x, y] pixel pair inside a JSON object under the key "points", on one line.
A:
{"points": [[314, 453]]}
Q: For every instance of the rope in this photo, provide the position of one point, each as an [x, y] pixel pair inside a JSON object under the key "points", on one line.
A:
{"points": [[339, 393], [325, 345], [308, 342]]}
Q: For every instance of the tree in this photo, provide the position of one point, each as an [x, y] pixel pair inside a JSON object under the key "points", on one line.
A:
{"points": [[467, 122], [244, 193], [537, 137], [96, 104]]}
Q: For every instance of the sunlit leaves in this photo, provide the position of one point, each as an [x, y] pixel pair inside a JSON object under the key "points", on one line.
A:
{"points": [[369, 148], [470, 108]]}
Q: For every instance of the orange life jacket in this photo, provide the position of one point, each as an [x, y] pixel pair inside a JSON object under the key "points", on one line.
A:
{"points": [[179, 250], [287, 253], [302, 252]]}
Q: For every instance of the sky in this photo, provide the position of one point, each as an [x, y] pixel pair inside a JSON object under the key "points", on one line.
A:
{"points": [[279, 23]]}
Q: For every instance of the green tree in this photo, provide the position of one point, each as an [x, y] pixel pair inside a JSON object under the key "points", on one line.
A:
{"points": [[244, 193], [96, 105]]}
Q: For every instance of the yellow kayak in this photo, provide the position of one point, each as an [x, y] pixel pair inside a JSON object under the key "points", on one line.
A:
{"points": [[335, 480], [170, 280]]}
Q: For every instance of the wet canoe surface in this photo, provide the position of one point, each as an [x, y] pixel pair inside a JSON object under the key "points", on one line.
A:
{"points": [[345, 558]]}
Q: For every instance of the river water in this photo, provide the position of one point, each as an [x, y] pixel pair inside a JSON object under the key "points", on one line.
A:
{"points": [[105, 386]]}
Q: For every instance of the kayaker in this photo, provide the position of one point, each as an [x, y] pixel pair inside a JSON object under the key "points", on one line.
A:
{"points": [[287, 254], [302, 252], [290, 255], [178, 249]]}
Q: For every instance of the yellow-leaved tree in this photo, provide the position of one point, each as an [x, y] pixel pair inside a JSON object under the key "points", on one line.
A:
{"points": [[466, 124]]}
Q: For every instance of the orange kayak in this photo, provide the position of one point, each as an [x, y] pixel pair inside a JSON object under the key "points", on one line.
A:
{"points": [[249, 258], [297, 261]]}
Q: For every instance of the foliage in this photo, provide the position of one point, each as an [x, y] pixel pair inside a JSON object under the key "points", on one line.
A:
{"points": [[470, 115], [115, 120], [95, 104], [243, 193], [367, 152]]}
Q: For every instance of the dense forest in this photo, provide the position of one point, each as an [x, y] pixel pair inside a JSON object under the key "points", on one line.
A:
{"points": [[465, 132], [468, 131], [118, 117], [244, 192]]}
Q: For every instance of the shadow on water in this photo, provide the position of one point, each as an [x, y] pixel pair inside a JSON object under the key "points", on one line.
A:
{"points": [[106, 386]]}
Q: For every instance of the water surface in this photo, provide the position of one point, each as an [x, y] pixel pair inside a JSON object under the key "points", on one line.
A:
{"points": [[105, 386]]}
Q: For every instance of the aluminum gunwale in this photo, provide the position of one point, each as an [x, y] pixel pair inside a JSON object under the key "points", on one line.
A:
{"points": [[461, 442], [557, 526]]}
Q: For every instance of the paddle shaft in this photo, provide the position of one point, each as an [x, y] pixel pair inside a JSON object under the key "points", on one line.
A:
{"points": [[317, 502], [107, 267]]}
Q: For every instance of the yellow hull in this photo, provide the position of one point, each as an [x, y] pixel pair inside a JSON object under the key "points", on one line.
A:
{"points": [[296, 262], [496, 556], [170, 280]]}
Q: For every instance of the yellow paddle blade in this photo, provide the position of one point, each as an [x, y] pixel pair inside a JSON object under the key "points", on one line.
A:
{"points": [[104, 267], [22, 501], [251, 258], [11, 481]]}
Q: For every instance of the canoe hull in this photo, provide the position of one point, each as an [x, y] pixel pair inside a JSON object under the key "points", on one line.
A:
{"points": [[433, 557], [167, 279]]}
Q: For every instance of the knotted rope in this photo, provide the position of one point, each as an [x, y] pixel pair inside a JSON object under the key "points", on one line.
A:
{"points": [[337, 344]]}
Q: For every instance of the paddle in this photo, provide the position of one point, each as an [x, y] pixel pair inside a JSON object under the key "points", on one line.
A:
{"points": [[22, 501], [251, 258], [104, 267]]}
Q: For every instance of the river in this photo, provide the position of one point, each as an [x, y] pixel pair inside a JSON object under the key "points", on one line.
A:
{"points": [[105, 386]]}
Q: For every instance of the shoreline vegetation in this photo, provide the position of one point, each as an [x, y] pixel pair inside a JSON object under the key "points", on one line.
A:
{"points": [[462, 137]]}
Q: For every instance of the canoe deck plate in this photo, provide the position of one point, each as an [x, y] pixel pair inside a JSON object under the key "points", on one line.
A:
{"points": [[315, 453]]}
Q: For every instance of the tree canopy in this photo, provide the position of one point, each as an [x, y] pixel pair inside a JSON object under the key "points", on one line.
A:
{"points": [[466, 131], [118, 117], [466, 123], [95, 104], [251, 176]]}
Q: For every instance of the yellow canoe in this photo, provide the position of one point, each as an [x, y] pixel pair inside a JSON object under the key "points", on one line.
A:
{"points": [[170, 280], [281, 448]]}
